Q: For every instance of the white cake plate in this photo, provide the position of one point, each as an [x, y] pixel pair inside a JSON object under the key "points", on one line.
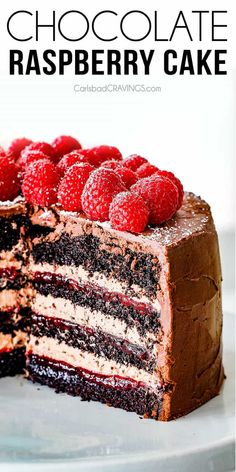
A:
{"points": [[43, 431]]}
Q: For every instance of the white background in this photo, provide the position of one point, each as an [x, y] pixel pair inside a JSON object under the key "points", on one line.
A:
{"points": [[188, 127]]}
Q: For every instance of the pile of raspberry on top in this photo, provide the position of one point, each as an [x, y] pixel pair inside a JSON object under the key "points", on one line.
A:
{"points": [[131, 193]]}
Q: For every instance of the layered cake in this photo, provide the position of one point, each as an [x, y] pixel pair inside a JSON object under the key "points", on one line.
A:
{"points": [[125, 309], [14, 291]]}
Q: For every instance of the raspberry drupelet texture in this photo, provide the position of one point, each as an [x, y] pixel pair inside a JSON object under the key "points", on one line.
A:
{"points": [[178, 184], [111, 164], [74, 157], [26, 159], [145, 170], [161, 196], [100, 188], [17, 145], [9, 178], [99, 154], [72, 185], [63, 145], [134, 161], [40, 183], [38, 146], [127, 176], [129, 212]]}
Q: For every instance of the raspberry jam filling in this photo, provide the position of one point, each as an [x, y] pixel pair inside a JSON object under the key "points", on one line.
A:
{"points": [[69, 284], [115, 381], [4, 350]]}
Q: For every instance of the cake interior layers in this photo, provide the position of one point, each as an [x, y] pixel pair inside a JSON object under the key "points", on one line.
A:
{"points": [[90, 318], [12, 244], [86, 253], [93, 324], [14, 328], [95, 316], [86, 317], [15, 293]]}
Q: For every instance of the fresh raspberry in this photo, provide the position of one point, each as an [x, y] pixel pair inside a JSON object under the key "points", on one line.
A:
{"points": [[9, 179], [145, 170], [2, 152], [111, 164], [18, 145], [134, 162], [97, 155], [31, 156], [64, 144], [38, 146], [74, 157], [178, 184], [161, 195], [83, 151], [8, 158], [100, 188], [72, 185], [127, 176], [129, 212], [40, 183]]}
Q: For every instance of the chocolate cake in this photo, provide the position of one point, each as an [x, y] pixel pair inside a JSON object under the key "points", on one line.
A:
{"points": [[130, 320], [15, 292]]}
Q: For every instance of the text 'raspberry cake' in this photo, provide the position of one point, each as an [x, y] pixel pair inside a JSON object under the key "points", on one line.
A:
{"points": [[114, 275]]}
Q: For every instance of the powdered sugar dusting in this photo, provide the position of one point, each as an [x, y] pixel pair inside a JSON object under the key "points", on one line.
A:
{"points": [[68, 213], [190, 219], [9, 203], [45, 215], [104, 224]]}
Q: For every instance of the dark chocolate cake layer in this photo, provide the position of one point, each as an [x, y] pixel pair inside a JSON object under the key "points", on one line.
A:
{"points": [[14, 291], [120, 393], [13, 362], [11, 321], [10, 231]]}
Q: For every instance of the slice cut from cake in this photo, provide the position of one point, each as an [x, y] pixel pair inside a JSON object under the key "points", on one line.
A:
{"points": [[14, 290], [133, 321]]}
